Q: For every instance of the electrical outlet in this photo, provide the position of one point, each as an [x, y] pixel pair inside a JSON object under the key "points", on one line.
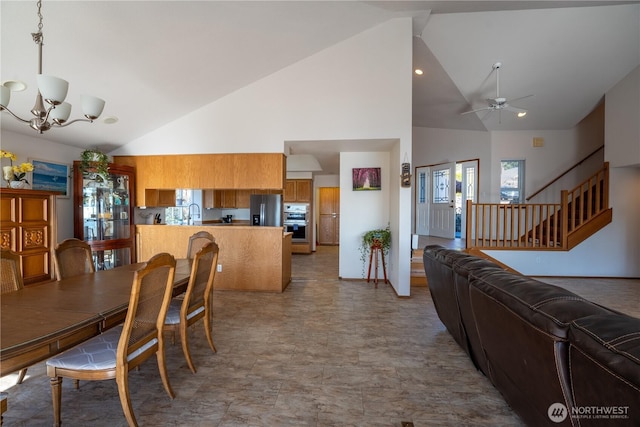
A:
{"points": [[219, 268]]}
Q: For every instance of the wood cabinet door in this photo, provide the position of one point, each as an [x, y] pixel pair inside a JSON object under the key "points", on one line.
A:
{"points": [[290, 191], [208, 199], [303, 190], [228, 198], [243, 199], [27, 227]]}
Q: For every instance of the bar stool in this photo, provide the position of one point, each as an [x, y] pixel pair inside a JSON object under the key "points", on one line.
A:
{"points": [[376, 248]]}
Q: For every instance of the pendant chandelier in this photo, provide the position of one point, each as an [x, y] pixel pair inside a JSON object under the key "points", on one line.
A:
{"points": [[52, 91]]}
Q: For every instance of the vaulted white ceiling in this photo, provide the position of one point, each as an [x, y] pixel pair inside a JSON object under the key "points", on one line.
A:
{"points": [[156, 61]]}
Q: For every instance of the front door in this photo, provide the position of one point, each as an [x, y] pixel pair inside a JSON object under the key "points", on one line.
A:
{"points": [[442, 222]]}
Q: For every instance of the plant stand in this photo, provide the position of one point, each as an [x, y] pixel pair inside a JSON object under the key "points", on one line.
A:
{"points": [[375, 249]]}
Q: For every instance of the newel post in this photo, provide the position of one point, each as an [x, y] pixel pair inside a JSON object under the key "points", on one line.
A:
{"points": [[564, 208]]}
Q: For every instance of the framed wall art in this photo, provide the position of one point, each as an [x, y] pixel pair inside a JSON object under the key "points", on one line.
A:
{"points": [[366, 179], [51, 176]]}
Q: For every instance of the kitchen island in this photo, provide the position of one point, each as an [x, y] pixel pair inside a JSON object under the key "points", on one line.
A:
{"points": [[251, 258]]}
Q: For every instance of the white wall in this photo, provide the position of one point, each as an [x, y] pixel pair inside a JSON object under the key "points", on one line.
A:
{"points": [[37, 147], [561, 150], [622, 129], [361, 211], [353, 90]]}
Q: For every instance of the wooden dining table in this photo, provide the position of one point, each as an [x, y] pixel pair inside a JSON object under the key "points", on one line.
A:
{"points": [[39, 321]]}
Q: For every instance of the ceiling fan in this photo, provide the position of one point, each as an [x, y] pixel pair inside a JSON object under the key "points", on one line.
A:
{"points": [[500, 103]]}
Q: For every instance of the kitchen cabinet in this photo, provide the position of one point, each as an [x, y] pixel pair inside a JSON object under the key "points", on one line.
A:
{"points": [[160, 198], [243, 199], [298, 190], [226, 199], [253, 259], [28, 228], [103, 214], [240, 171], [329, 216]]}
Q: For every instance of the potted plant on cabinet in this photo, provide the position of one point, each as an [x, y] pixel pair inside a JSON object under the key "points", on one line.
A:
{"points": [[94, 164], [380, 237]]}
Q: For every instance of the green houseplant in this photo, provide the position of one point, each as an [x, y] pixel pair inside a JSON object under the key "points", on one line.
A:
{"points": [[381, 236], [94, 164]]}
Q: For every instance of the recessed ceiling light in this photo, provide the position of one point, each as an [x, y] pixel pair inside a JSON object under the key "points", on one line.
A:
{"points": [[418, 71], [109, 120], [522, 113], [15, 85]]}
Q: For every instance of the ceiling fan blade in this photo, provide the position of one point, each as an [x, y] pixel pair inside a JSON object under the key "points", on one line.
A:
{"points": [[475, 111], [522, 97]]}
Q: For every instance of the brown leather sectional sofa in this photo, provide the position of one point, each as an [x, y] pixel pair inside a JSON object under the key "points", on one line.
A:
{"points": [[557, 358]]}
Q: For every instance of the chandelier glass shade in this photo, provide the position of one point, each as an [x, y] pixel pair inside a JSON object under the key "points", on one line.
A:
{"points": [[50, 108]]}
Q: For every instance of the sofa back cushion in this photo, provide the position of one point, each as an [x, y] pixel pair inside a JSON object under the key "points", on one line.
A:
{"points": [[605, 355], [523, 326]]}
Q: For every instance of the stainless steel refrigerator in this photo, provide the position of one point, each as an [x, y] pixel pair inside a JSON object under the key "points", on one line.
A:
{"points": [[266, 210]]}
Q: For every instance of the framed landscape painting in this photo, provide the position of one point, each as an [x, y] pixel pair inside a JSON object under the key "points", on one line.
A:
{"points": [[51, 176], [365, 179]]}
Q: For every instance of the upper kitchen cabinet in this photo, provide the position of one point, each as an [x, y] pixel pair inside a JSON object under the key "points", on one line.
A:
{"points": [[219, 171], [298, 190]]}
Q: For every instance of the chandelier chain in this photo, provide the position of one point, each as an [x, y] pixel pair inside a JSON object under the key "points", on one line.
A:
{"points": [[37, 37]]}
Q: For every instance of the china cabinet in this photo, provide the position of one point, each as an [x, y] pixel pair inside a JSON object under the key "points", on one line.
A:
{"points": [[103, 214]]}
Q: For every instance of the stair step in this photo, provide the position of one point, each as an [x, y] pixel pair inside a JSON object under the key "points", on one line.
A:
{"points": [[418, 277]]}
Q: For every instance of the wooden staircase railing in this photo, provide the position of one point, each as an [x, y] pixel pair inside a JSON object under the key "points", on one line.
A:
{"points": [[582, 211]]}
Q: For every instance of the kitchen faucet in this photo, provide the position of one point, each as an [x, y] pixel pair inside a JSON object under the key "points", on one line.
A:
{"points": [[197, 215]]}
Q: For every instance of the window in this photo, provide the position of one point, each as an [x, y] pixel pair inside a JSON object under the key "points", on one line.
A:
{"points": [[511, 181], [187, 207]]}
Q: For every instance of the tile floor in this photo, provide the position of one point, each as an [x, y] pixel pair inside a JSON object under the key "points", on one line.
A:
{"points": [[325, 352]]}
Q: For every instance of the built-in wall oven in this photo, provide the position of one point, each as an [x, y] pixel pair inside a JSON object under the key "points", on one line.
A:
{"points": [[296, 221]]}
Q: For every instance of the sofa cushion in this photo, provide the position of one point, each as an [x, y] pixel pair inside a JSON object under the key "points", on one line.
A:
{"points": [[523, 327], [463, 267], [548, 307], [604, 362], [440, 280]]}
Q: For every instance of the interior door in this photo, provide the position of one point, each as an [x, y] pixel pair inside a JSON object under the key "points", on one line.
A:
{"points": [[329, 221], [422, 200], [442, 221]]}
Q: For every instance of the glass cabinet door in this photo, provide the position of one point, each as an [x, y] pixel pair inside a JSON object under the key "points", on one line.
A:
{"points": [[105, 208], [103, 215]]}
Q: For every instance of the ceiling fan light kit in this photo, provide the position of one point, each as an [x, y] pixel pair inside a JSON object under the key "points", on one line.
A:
{"points": [[500, 103], [53, 91]]}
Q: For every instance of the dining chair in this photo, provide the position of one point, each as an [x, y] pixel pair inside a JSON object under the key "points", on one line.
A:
{"points": [[197, 241], [196, 303], [11, 281], [73, 257], [115, 352]]}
